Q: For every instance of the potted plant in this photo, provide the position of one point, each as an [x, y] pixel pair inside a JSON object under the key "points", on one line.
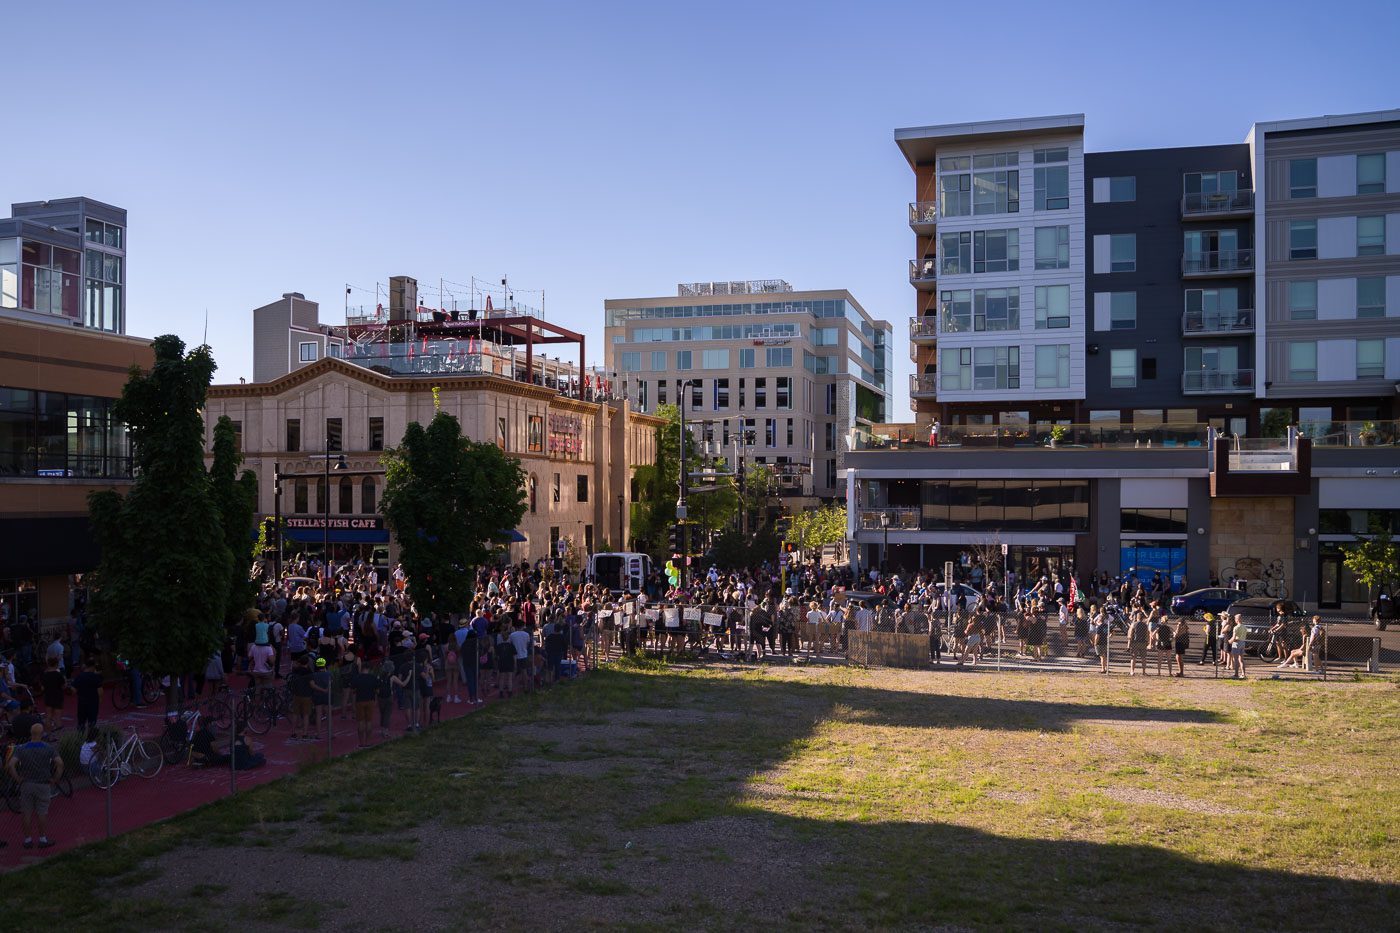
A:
{"points": [[1368, 434], [1057, 434]]}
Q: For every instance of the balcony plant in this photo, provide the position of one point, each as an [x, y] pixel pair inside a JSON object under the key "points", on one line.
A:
{"points": [[1058, 433], [1368, 434]]}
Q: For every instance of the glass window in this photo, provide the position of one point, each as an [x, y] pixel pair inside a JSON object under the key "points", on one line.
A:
{"points": [[1370, 173], [1210, 182], [582, 487], [1302, 301], [996, 368], [308, 352], [760, 393], [1051, 306], [1123, 188], [746, 358], [93, 233], [293, 435], [299, 497], [555, 488], [957, 253], [714, 359], [630, 362], [1302, 178], [1370, 359], [955, 369], [683, 360], [333, 434], [1122, 369], [697, 393], [955, 195], [112, 236], [1302, 239], [1212, 299], [996, 192], [1122, 310], [1052, 366], [996, 160], [996, 250], [1370, 296], [783, 391], [376, 434], [1370, 236], [779, 356], [721, 394], [1060, 154], [1302, 361], [997, 309], [1122, 252], [347, 496], [367, 495], [955, 163], [658, 361], [1052, 247], [1052, 188], [955, 311]]}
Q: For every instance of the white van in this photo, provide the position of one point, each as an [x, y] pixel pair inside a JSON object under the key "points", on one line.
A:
{"points": [[621, 572]]}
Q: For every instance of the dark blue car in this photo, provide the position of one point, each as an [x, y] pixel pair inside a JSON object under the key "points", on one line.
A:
{"points": [[1198, 602]]}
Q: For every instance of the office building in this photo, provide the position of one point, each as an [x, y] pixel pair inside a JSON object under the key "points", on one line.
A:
{"points": [[789, 371]]}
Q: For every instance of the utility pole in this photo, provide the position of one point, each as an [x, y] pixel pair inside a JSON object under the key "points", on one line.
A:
{"points": [[682, 482]]}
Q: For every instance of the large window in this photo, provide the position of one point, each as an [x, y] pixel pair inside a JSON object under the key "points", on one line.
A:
{"points": [[996, 250], [1302, 361], [1122, 252], [1302, 239], [1052, 366], [996, 192], [714, 359], [1370, 236], [376, 434], [1302, 300], [721, 395], [334, 435], [293, 435], [1370, 173], [307, 352], [995, 505], [1370, 296], [658, 361], [52, 434], [630, 362], [1122, 188], [997, 309], [1370, 359], [1302, 178], [1052, 247], [367, 495], [1052, 181], [683, 360], [582, 490], [779, 356], [955, 369], [1122, 372], [955, 311], [996, 367], [1210, 182], [955, 194], [346, 504], [1122, 310], [1051, 306], [957, 253], [746, 358], [1153, 521], [760, 393], [300, 503], [782, 390]]}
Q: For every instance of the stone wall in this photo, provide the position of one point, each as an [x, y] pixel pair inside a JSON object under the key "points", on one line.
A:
{"points": [[1252, 539]]}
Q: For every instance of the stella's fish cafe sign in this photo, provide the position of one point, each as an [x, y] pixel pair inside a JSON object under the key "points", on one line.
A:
{"points": [[565, 434], [368, 523]]}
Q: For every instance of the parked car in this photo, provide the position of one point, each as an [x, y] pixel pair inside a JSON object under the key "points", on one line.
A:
{"points": [[1385, 608], [1259, 613], [1198, 602]]}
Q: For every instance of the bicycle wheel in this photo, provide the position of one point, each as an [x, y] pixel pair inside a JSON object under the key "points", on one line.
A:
{"points": [[151, 690], [121, 694], [105, 774], [260, 716], [146, 759], [217, 711], [171, 750]]}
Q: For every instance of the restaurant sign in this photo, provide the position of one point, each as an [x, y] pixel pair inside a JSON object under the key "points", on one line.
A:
{"points": [[349, 523], [565, 434]]}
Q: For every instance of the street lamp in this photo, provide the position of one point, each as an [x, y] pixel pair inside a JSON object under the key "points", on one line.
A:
{"points": [[621, 540], [680, 501], [885, 547]]}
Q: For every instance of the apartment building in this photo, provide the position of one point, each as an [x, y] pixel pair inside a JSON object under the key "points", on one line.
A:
{"points": [[791, 370], [64, 358], [1226, 409]]}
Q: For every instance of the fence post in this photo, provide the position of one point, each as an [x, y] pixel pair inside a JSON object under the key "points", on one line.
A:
{"points": [[232, 763], [1375, 663], [330, 711], [105, 766]]}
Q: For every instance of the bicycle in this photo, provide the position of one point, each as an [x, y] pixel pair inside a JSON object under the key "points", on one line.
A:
{"points": [[262, 707], [151, 691], [174, 742], [134, 756]]}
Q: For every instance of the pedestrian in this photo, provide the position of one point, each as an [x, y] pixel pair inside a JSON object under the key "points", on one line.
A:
{"points": [[366, 688], [1137, 644], [1210, 646], [53, 685], [36, 767], [88, 687], [1239, 635], [1181, 643]]}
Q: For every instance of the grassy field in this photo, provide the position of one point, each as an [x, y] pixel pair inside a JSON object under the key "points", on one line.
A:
{"points": [[653, 797]]}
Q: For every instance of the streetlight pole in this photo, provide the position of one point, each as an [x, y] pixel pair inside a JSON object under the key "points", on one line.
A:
{"points": [[277, 515], [885, 547], [680, 501], [621, 539], [326, 511]]}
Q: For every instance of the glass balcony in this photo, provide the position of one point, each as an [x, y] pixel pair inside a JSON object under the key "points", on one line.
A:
{"points": [[1217, 323], [923, 330], [923, 385], [896, 518], [1217, 262], [1217, 381], [923, 216], [1351, 433], [1102, 436], [923, 273], [1207, 205]]}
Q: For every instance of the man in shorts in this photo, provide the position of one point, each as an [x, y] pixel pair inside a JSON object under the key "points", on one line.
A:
{"points": [[366, 687], [1239, 635], [1137, 644], [299, 686], [35, 766]]}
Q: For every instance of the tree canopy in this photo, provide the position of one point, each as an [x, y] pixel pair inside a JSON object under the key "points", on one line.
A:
{"points": [[236, 496], [162, 588], [447, 499], [1374, 560], [812, 528]]}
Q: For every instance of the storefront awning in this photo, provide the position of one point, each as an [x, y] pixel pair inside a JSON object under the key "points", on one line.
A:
{"points": [[512, 535]]}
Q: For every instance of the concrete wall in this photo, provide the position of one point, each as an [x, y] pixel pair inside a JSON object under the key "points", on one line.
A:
{"points": [[1252, 538]]}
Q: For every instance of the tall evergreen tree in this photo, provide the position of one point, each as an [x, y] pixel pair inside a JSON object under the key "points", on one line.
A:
{"points": [[236, 496], [162, 586], [447, 499]]}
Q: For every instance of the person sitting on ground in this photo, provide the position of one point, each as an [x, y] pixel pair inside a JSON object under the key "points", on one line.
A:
{"points": [[202, 751], [245, 756]]}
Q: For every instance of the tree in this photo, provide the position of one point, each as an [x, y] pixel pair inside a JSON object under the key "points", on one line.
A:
{"points": [[812, 528], [1375, 560], [162, 590], [447, 499], [236, 496], [657, 483], [1275, 423]]}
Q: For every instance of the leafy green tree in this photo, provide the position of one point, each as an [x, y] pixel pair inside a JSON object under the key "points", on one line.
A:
{"points": [[1374, 560], [812, 528], [236, 496], [447, 499], [657, 484], [1275, 423], [162, 589]]}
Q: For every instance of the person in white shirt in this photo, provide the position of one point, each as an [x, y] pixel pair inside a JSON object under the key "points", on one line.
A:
{"points": [[863, 618], [816, 627]]}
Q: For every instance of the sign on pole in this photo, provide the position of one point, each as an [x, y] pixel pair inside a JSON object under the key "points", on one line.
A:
{"points": [[1004, 549]]}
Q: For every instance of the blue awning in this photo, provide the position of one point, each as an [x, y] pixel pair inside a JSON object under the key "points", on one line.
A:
{"points": [[340, 535], [511, 535]]}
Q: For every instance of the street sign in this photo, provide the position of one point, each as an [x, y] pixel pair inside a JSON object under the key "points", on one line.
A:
{"points": [[563, 543], [1003, 550], [947, 571]]}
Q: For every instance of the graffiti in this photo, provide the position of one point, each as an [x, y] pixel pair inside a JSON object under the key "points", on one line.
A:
{"points": [[1258, 578]]}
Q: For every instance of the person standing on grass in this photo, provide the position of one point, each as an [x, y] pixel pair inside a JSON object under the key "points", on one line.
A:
{"points": [[366, 687], [36, 767], [1239, 635], [973, 646], [520, 641], [1137, 644], [1317, 645], [1181, 643], [1101, 635], [299, 686]]}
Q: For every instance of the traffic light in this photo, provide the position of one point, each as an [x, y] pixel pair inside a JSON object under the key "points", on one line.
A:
{"points": [[675, 539]]}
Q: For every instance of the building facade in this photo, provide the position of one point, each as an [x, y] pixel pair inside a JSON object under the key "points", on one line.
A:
{"points": [[1229, 407], [788, 372], [64, 359], [578, 450]]}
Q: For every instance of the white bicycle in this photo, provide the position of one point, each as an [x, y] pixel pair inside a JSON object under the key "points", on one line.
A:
{"points": [[134, 756]]}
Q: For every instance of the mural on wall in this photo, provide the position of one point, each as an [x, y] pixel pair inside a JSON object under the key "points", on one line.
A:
{"points": [[1259, 578]]}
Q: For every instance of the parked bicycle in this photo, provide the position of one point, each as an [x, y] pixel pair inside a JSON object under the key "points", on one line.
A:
{"points": [[134, 756], [174, 742], [151, 691]]}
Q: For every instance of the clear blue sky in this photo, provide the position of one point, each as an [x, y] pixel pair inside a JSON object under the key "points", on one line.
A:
{"points": [[599, 150]]}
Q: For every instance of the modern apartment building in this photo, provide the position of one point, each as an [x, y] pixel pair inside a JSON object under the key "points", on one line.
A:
{"points": [[64, 358], [793, 370], [1225, 409]]}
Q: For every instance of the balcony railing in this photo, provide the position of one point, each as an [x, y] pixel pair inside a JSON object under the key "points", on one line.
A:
{"points": [[923, 214], [895, 518], [1203, 323], [923, 385], [456, 358], [955, 437], [923, 272], [1218, 262], [1217, 381], [923, 328], [1351, 433], [1216, 203]]}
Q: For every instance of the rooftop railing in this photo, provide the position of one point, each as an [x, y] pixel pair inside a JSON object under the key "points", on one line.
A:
{"points": [[1351, 433], [460, 358], [1009, 436]]}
